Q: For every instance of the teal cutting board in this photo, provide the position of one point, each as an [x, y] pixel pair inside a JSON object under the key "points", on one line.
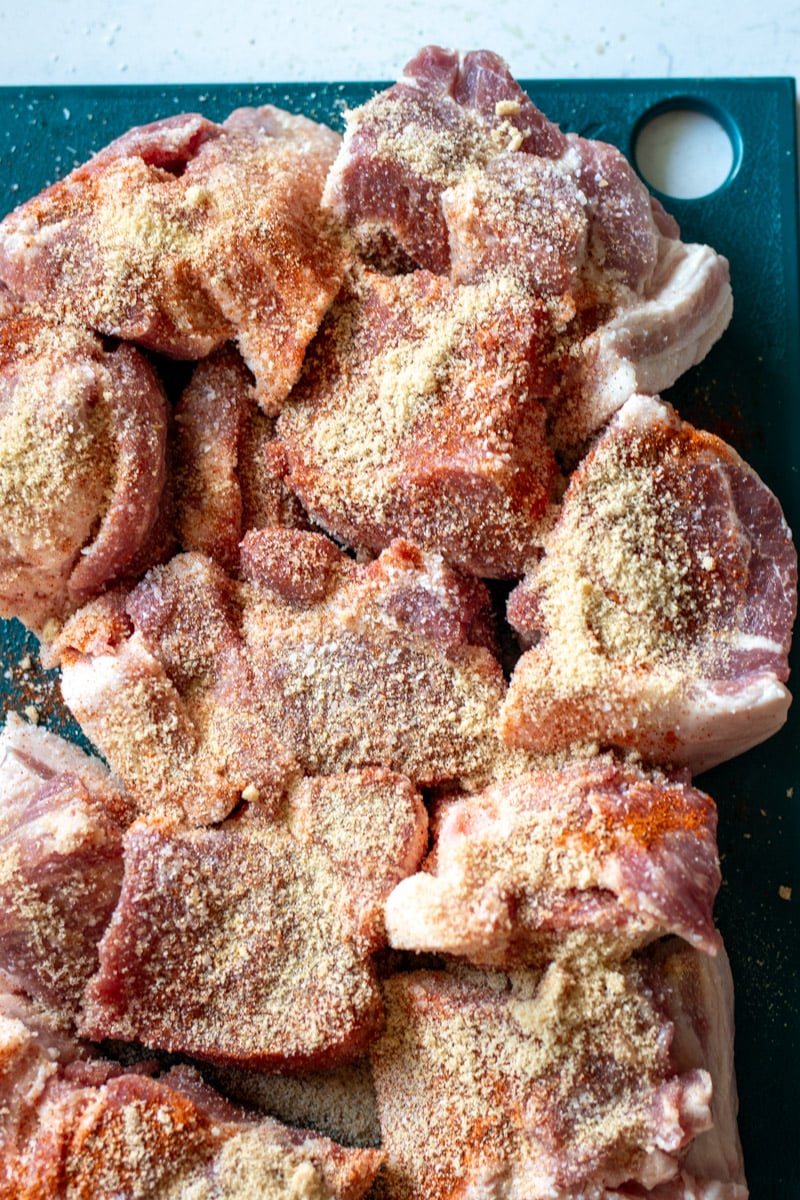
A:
{"points": [[747, 390]]}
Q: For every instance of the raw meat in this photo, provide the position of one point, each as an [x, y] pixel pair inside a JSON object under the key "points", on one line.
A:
{"points": [[252, 943], [596, 853], [698, 995], [660, 617], [60, 865], [82, 467], [229, 469], [159, 678], [542, 1084], [183, 234], [455, 170], [406, 145], [339, 1102], [418, 416], [77, 1126], [393, 665], [198, 689]]}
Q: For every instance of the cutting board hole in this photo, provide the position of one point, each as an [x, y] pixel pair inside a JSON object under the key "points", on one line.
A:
{"points": [[685, 149]]}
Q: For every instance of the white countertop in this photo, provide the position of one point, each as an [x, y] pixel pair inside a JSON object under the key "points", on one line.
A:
{"points": [[151, 41]]}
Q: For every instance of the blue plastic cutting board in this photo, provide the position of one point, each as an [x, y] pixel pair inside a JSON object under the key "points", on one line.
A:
{"points": [[746, 390]]}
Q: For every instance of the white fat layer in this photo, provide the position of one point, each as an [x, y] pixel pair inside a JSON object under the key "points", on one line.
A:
{"points": [[714, 726]]}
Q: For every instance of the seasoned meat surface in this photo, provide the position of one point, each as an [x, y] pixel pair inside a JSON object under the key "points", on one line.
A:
{"points": [[61, 865], [83, 434], [251, 943], [596, 853], [183, 234], [660, 616], [455, 170], [418, 416], [77, 1125], [200, 689], [561, 1082]]}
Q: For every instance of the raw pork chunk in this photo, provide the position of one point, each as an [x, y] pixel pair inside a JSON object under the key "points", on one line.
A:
{"points": [[391, 662], [252, 943], [200, 690], [160, 680], [82, 466], [574, 1082], [183, 234], [60, 864], [418, 416], [595, 854], [661, 614], [77, 1126], [230, 471], [455, 170]]}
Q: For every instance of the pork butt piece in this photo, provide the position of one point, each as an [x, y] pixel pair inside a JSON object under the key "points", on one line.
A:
{"points": [[77, 1125], [184, 234], [389, 662], [565, 1083], [83, 434], [660, 616], [252, 943], [597, 853], [454, 169], [230, 471], [418, 416], [160, 680], [199, 689], [60, 865]]}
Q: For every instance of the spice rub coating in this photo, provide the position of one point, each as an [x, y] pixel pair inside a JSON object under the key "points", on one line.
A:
{"points": [[595, 853], [418, 416], [60, 864], [78, 1125], [660, 616], [394, 664], [539, 1084], [83, 433], [251, 943], [455, 170], [201, 690], [184, 234], [160, 679]]}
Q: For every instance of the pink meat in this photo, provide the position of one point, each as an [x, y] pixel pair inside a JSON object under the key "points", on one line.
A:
{"points": [[406, 145], [138, 424], [80, 1125], [523, 215], [62, 865], [184, 234], [229, 468], [418, 416], [304, 895], [624, 230], [82, 447], [455, 170], [479, 80], [661, 615], [392, 666], [521, 871], [160, 680], [565, 1082], [199, 689], [697, 993]]}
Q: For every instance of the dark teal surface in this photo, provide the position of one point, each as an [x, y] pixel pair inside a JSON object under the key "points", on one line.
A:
{"points": [[747, 390]]}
